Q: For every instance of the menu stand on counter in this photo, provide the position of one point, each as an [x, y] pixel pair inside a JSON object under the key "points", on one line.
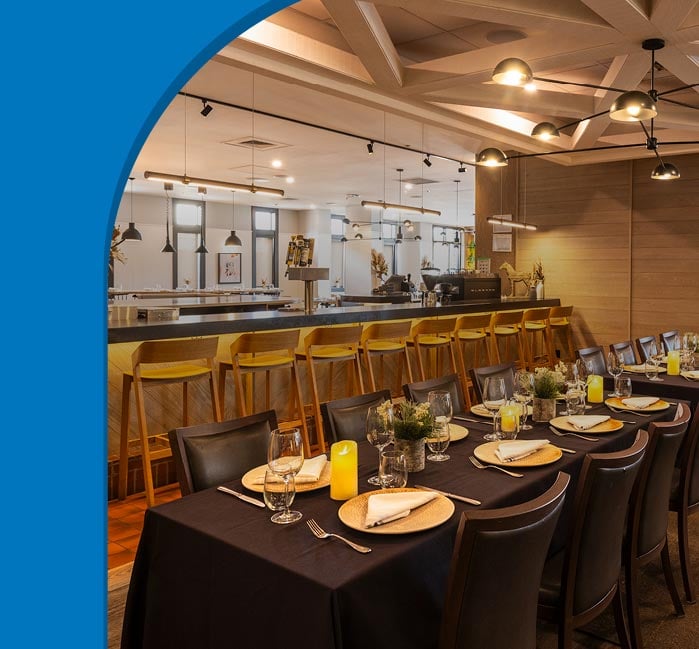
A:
{"points": [[308, 275]]}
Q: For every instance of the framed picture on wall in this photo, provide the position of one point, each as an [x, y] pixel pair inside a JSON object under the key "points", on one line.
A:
{"points": [[229, 268], [502, 243]]}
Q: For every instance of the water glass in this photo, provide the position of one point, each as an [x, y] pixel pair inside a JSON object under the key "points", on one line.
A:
{"points": [[615, 366], [624, 388], [393, 470], [379, 431], [575, 401], [438, 441], [278, 495], [524, 394], [285, 459], [651, 368], [494, 395]]}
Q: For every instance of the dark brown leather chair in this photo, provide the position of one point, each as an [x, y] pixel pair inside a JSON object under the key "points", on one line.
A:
{"points": [[646, 534], [595, 358], [625, 348], [495, 573], [480, 374], [684, 498], [671, 340], [581, 581], [346, 418], [646, 346], [419, 390], [207, 455]]}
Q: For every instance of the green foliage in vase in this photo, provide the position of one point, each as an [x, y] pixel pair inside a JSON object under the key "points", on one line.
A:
{"points": [[546, 383], [412, 420]]}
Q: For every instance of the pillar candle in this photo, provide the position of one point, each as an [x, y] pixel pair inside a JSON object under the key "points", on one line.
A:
{"points": [[343, 470], [595, 388], [509, 418], [673, 362]]}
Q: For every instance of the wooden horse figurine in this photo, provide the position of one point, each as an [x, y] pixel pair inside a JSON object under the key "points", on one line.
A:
{"points": [[516, 276]]}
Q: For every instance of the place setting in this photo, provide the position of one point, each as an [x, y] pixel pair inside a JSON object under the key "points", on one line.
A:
{"points": [[639, 405]]}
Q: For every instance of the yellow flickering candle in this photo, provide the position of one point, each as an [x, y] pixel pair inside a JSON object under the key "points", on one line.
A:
{"points": [[595, 388], [509, 418], [343, 470], [673, 362]]}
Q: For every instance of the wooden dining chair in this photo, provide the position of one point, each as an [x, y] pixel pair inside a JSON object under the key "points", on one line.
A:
{"points": [[646, 533], [684, 499], [480, 374], [419, 390], [594, 358], [626, 351], [646, 346], [560, 323], [495, 573], [346, 418], [207, 455], [580, 582]]}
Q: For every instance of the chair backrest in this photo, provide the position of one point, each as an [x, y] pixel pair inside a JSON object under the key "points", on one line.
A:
{"points": [[180, 350], [266, 342], [419, 390], [477, 321], [649, 506], [479, 375], [207, 455], [398, 331], [348, 336], [595, 358], [506, 319], [346, 418], [625, 348], [495, 573], [559, 315], [597, 520], [540, 314], [430, 327], [671, 340], [646, 346], [688, 488]]}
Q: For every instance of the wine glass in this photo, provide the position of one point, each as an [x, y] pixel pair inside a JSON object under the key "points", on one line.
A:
{"points": [[278, 495], [494, 394], [285, 459], [523, 394], [615, 366], [585, 369], [442, 411], [393, 470], [652, 365], [379, 431]]}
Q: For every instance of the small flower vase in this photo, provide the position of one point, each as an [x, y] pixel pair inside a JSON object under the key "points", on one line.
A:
{"points": [[543, 409], [540, 291], [414, 451]]}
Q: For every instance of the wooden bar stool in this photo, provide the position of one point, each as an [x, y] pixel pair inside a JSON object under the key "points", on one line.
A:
{"points": [[470, 337], [536, 337], [505, 327], [433, 336], [331, 345], [382, 339], [175, 361], [559, 322], [268, 351]]}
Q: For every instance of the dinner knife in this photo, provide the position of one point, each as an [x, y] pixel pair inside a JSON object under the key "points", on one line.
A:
{"points": [[470, 501], [247, 499]]}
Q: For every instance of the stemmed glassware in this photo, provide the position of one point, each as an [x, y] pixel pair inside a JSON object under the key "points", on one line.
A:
{"points": [[652, 365], [494, 396], [524, 394], [442, 411], [279, 495], [285, 459], [571, 381], [615, 366], [379, 431]]}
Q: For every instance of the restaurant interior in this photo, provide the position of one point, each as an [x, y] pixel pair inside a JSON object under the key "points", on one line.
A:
{"points": [[542, 159]]}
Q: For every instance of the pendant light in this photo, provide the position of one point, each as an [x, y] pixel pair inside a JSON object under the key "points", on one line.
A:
{"points": [[168, 247], [202, 246], [131, 233], [233, 241]]}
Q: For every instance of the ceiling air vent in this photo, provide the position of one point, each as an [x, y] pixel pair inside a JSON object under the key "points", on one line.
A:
{"points": [[259, 145]]}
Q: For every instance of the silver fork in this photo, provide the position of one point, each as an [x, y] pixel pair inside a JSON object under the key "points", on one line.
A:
{"points": [[320, 533], [555, 431], [638, 414], [480, 465]]}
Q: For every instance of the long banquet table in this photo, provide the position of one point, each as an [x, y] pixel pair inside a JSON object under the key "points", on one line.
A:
{"points": [[212, 571]]}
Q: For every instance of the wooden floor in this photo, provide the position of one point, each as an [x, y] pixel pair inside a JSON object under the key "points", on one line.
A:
{"points": [[125, 523]]}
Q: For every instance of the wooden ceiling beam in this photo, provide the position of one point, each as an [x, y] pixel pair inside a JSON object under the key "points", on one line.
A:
{"points": [[668, 15]]}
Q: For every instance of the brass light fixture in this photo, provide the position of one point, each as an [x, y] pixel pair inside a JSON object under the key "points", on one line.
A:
{"points": [[202, 245], [491, 157], [233, 240], [131, 233]]}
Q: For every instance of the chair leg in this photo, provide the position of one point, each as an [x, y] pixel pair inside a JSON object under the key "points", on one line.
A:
{"points": [[621, 627], [222, 369], [143, 436], [298, 397], [215, 403], [631, 574], [418, 358], [317, 416], [185, 404], [670, 580], [240, 403], [370, 371], [683, 542], [124, 440]]}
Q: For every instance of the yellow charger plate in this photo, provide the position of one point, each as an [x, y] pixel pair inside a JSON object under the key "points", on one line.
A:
{"points": [[250, 478], [608, 426], [546, 455], [616, 402], [641, 369], [480, 410]]}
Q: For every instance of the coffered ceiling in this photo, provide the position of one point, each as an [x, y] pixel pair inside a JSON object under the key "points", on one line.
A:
{"points": [[418, 74]]}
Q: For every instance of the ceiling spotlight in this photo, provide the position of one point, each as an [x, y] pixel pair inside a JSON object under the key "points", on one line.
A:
{"points": [[343, 239], [418, 237], [358, 235], [491, 157], [207, 108], [290, 180], [277, 164], [462, 168], [407, 223], [427, 161], [370, 147], [355, 227], [665, 171], [346, 221], [530, 87], [545, 131], [512, 72], [633, 106], [399, 236]]}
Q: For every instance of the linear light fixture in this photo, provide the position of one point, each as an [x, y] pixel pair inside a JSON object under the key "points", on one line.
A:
{"points": [[512, 224], [214, 184], [404, 208]]}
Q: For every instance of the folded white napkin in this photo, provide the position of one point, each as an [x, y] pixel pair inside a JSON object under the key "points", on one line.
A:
{"points": [[384, 508], [691, 374], [639, 402], [310, 471], [583, 422], [518, 449]]}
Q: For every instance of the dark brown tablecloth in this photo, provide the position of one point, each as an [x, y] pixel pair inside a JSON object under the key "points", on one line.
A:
{"points": [[214, 572]]}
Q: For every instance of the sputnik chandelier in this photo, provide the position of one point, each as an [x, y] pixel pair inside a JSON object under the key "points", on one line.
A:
{"points": [[629, 106]]}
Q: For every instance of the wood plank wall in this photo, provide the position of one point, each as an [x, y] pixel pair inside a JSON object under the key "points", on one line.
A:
{"points": [[623, 249]]}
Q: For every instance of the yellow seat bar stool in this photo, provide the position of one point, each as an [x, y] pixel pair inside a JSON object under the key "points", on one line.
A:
{"points": [[157, 363], [536, 338], [505, 329], [433, 336], [381, 339], [560, 323], [331, 345], [267, 352], [470, 338]]}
